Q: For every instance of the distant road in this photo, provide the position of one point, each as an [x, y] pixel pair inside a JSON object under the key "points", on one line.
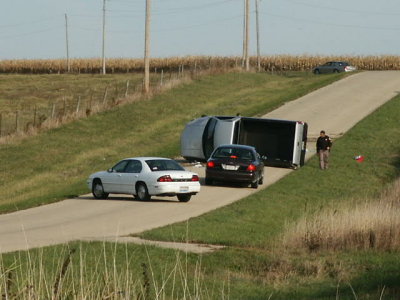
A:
{"points": [[335, 108]]}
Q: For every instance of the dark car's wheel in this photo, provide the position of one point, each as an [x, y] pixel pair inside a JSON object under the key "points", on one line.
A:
{"points": [[254, 185], [209, 181], [142, 192], [316, 71], [98, 190], [335, 71], [184, 197], [261, 180]]}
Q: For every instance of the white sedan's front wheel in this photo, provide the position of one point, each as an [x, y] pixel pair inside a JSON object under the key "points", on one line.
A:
{"points": [[142, 192], [98, 190]]}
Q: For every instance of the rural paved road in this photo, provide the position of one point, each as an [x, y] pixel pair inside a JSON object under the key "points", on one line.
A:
{"points": [[335, 108]]}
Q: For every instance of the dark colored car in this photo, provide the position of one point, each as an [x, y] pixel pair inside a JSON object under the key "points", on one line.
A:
{"points": [[235, 164], [334, 67]]}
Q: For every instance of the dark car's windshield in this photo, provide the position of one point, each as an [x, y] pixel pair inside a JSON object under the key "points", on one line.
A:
{"points": [[164, 165], [240, 153]]}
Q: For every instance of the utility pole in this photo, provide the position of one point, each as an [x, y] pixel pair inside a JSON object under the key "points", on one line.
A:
{"points": [[104, 37], [66, 39], [147, 49], [258, 38], [247, 35]]}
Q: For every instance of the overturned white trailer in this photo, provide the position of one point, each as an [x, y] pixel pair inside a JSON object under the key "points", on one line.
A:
{"points": [[280, 143]]}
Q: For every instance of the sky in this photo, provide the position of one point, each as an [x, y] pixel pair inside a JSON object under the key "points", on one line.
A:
{"points": [[35, 29]]}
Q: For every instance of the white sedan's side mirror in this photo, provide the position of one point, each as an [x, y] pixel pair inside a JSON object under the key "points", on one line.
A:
{"points": [[110, 170]]}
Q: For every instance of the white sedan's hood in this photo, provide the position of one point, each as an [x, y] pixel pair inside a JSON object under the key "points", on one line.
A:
{"points": [[98, 174]]}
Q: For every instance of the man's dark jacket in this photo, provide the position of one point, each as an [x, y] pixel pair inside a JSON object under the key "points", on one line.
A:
{"points": [[323, 143]]}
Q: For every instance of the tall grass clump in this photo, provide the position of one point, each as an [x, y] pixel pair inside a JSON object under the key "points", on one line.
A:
{"points": [[100, 271], [374, 224]]}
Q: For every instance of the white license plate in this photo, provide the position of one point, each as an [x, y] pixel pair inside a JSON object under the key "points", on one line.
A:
{"points": [[184, 189], [230, 167]]}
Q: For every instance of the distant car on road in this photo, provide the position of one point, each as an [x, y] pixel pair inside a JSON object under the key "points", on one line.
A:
{"points": [[334, 67], [144, 177], [235, 164]]}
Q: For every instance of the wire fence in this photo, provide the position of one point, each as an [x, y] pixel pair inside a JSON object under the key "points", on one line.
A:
{"points": [[67, 108]]}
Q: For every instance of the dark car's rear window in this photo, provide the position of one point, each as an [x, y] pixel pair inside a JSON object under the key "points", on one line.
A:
{"points": [[164, 165], [240, 153]]}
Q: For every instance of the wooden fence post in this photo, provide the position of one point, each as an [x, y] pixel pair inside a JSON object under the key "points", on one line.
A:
{"points": [[16, 121], [127, 87], [162, 77], [34, 116], [105, 96], [90, 100], [65, 107], [53, 110], [78, 104], [116, 92]]}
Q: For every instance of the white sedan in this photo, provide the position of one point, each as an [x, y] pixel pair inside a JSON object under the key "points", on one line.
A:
{"points": [[144, 177]]}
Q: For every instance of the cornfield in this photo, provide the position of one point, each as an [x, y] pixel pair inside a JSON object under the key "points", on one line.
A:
{"points": [[175, 64]]}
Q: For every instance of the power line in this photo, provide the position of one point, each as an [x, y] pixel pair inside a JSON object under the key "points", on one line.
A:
{"points": [[212, 22], [28, 23], [344, 9], [331, 24], [30, 33], [175, 10]]}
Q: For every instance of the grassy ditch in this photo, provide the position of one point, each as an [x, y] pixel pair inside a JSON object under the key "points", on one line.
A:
{"points": [[101, 271], [315, 234], [258, 264], [257, 220], [55, 164]]}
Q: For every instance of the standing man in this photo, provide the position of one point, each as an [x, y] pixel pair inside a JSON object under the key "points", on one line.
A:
{"points": [[324, 145]]}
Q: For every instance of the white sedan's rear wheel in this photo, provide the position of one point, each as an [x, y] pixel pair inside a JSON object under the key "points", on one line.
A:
{"points": [[142, 192], [184, 197]]}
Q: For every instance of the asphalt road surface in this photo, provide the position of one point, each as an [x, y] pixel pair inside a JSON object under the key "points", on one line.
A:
{"points": [[335, 108]]}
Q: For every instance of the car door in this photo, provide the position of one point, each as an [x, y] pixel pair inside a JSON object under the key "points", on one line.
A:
{"points": [[326, 68], [130, 176], [112, 180]]}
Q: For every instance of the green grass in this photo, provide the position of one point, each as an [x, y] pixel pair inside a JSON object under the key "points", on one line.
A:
{"points": [[98, 271], [29, 93], [54, 165], [257, 220], [254, 266]]}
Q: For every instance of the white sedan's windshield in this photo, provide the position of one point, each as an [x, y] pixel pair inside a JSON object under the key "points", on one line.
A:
{"points": [[163, 165]]}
